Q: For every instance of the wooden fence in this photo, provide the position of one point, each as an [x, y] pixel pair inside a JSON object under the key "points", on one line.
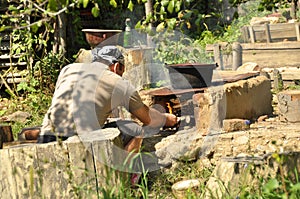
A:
{"points": [[271, 33], [273, 55]]}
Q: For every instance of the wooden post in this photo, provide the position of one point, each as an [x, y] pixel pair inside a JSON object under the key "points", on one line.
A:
{"points": [[297, 31], [237, 58], [268, 34], [252, 35], [218, 56]]}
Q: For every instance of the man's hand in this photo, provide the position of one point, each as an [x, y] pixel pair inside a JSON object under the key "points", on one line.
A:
{"points": [[171, 120]]}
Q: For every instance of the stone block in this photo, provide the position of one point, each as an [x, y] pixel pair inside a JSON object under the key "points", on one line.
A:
{"points": [[246, 99], [209, 109], [289, 105], [69, 169], [231, 174], [230, 125]]}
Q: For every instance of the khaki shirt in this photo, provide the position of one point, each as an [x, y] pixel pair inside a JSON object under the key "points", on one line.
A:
{"points": [[84, 97]]}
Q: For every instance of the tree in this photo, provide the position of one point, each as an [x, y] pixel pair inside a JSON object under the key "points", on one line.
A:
{"points": [[273, 5]]}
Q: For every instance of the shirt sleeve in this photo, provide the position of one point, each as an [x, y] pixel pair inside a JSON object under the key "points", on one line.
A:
{"points": [[131, 99], [135, 101]]}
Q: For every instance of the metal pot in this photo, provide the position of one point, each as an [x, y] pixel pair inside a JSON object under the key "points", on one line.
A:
{"points": [[95, 36], [190, 75]]}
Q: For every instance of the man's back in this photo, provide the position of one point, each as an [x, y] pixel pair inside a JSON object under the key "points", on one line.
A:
{"points": [[84, 97]]}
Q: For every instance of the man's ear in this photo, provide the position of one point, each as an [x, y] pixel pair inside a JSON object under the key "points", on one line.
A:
{"points": [[116, 67]]}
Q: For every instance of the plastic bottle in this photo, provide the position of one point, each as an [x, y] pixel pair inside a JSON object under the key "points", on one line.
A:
{"points": [[127, 34]]}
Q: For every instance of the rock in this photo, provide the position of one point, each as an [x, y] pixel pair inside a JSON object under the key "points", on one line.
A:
{"points": [[230, 125], [249, 67], [176, 147], [186, 187], [288, 104], [232, 173], [262, 118], [18, 116]]}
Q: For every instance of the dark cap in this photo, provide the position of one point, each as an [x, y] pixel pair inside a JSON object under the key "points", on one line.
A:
{"points": [[107, 55]]}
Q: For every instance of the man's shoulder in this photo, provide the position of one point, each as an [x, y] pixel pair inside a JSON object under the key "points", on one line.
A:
{"points": [[84, 67]]}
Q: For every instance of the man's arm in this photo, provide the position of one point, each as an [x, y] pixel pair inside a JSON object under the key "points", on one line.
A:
{"points": [[153, 118]]}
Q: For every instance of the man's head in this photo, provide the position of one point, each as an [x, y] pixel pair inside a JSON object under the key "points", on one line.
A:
{"points": [[111, 56]]}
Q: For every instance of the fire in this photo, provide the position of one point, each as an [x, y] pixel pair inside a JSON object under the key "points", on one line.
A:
{"points": [[169, 107]]}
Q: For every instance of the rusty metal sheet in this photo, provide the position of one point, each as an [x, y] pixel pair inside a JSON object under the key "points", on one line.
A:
{"points": [[165, 91]]}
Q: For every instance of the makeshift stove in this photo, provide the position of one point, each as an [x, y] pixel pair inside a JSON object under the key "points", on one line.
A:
{"points": [[178, 102], [186, 80]]}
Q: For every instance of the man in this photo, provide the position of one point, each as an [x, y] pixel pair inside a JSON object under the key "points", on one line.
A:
{"points": [[86, 94]]}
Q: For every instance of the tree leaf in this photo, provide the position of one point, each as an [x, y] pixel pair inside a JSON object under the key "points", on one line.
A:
{"points": [[113, 3], [34, 28], [171, 6], [130, 6], [52, 5], [85, 3], [171, 23], [95, 11], [164, 3], [160, 27], [177, 6], [187, 14]]}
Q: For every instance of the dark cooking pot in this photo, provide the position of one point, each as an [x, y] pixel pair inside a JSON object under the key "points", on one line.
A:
{"points": [[194, 75]]}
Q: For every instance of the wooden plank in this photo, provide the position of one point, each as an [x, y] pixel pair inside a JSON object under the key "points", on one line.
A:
{"points": [[289, 75], [268, 34], [297, 31], [252, 34], [218, 56], [261, 46], [277, 32], [271, 46], [6, 64], [7, 56], [268, 54]]}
